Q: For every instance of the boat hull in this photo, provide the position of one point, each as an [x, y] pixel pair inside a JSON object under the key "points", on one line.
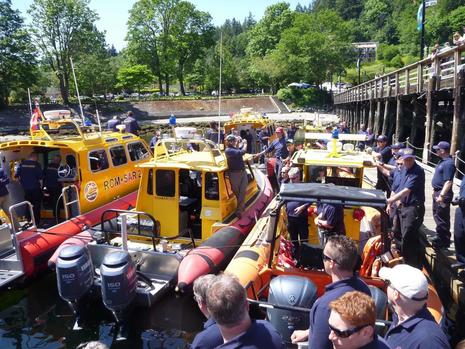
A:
{"points": [[38, 246], [215, 253]]}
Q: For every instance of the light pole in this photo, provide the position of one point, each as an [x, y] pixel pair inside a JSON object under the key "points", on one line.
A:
{"points": [[422, 35]]}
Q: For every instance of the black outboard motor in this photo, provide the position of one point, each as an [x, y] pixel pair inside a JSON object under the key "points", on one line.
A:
{"points": [[119, 282], [74, 276], [295, 291]]}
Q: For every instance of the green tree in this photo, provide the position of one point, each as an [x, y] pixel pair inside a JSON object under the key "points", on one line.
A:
{"points": [[64, 29], [17, 54], [192, 33], [134, 78], [150, 40], [265, 35], [97, 74]]}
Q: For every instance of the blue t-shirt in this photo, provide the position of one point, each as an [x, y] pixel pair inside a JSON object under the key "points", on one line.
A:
{"points": [[319, 314], [131, 125], [413, 179], [29, 173], [261, 334], [234, 158], [263, 136], [395, 177], [292, 205], [386, 154], [4, 180], [334, 215], [209, 338], [377, 343], [421, 331], [445, 171], [279, 147]]}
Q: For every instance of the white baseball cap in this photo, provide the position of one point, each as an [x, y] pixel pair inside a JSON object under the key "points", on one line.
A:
{"points": [[409, 281]]}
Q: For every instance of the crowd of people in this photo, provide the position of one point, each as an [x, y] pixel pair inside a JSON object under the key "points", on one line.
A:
{"points": [[343, 317]]}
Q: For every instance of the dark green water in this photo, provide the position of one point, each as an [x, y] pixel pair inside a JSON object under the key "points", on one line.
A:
{"points": [[34, 316]]}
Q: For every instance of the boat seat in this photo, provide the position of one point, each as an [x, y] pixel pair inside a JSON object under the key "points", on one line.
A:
{"points": [[381, 301]]}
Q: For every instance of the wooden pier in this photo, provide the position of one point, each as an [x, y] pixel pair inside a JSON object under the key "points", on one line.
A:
{"points": [[423, 103]]}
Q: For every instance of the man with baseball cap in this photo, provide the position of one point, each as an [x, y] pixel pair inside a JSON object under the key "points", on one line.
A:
{"points": [[278, 146], [410, 199], [413, 325], [236, 169], [442, 182], [382, 153]]}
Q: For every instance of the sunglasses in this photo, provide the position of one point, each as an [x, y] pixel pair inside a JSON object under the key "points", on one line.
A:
{"points": [[346, 333], [326, 258]]}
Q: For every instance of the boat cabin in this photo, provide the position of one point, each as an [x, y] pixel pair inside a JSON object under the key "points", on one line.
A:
{"points": [[250, 122], [186, 188], [101, 165]]}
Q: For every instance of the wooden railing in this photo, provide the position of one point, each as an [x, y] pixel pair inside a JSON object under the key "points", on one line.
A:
{"points": [[412, 79]]}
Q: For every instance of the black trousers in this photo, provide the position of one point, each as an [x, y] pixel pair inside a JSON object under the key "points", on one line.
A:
{"points": [[35, 198], [297, 228], [382, 183], [411, 219], [459, 234], [441, 215]]}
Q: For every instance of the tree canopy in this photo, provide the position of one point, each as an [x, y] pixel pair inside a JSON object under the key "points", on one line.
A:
{"points": [[174, 45]]}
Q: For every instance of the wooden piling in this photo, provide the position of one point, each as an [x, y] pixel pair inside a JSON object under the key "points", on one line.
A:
{"points": [[399, 117], [458, 122], [430, 109]]}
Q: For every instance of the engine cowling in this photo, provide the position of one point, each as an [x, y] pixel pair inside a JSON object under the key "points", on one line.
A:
{"points": [[74, 272], [119, 280]]}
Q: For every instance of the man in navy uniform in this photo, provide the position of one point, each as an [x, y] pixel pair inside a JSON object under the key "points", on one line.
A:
{"points": [[237, 173], [383, 154], [280, 152], [210, 337], [353, 322], [413, 325], [52, 187], [330, 221], [410, 199], [131, 123], [30, 175], [340, 255], [442, 182], [227, 304]]}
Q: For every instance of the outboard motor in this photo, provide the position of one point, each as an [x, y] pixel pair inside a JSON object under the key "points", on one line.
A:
{"points": [[74, 276], [294, 291], [119, 282]]}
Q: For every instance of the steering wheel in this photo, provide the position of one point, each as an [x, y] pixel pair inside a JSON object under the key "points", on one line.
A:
{"points": [[64, 171]]}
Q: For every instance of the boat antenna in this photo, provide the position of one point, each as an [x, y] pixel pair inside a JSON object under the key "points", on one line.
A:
{"points": [[219, 90], [77, 91], [98, 117], [30, 101]]}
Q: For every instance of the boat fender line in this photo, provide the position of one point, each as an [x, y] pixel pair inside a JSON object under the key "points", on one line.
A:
{"points": [[210, 257]]}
